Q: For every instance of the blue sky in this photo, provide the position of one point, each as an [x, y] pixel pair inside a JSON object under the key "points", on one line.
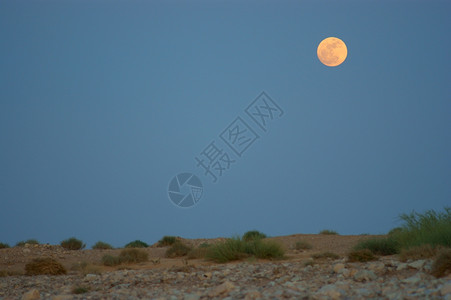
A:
{"points": [[102, 103]]}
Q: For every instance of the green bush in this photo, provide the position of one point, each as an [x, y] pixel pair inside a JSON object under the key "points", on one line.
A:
{"points": [[379, 246], [430, 227], [4, 246], [362, 255], [327, 231], [167, 240], [133, 256], [136, 244], [302, 245], [237, 249], [252, 235], [102, 246], [72, 244], [111, 261], [30, 241], [178, 249]]}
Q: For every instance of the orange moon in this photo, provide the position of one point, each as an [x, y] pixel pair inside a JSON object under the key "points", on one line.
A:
{"points": [[332, 51]]}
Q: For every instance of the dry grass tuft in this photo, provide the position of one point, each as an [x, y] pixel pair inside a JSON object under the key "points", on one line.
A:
{"points": [[44, 266], [442, 264], [418, 252], [362, 255]]}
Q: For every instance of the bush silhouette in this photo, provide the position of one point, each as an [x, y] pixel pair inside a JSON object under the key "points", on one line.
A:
{"points": [[178, 249], [253, 234], [72, 244], [136, 244], [30, 241], [102, 246], [167, 240]]}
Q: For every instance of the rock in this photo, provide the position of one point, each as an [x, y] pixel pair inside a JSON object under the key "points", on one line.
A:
{"points": [[401, 267], [32, 294], [330, 291], [338, 268], [223, 288], [446, 289], [63, 297], [364, 275], [191, 297], [412, 280], [417, 264], [207, 275], [251, 295], [376, 266], [90, 277]]}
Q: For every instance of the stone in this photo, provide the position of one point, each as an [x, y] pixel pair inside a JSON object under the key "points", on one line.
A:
{"points": [[338, 268], [446, 289], [330, 291], [90, 277], [376, 266], [223, 288], [412, 280], [364, 275], [191, 297], [32, 294], [251, 295], [63, 297], [418, 264], [401, 267]]}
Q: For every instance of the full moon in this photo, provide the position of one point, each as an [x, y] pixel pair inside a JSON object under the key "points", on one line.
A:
{"points": [[332, 51]]}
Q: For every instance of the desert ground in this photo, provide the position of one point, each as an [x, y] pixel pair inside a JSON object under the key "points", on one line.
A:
{"points": [[297, 276]]}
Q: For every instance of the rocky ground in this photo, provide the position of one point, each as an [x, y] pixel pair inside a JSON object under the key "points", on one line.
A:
{"points": [[298, 277]]}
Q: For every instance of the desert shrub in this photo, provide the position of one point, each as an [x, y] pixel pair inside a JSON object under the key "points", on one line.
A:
{"points": [[229, 250], [266, 249], [362, 255], [4, 246], [204, 245], [418, 252], [167, 240], [442, 264], [430, 227], [329, 232], [133, 256], [379, 246], [80, 290], [136, 244], [395, 230], [237, 249], [326, 255], [44, 266], [30, 241], [102, 246], [253, 234], [302, 245], [177, 249], [110, 260], [72, 244], [199, 252]]}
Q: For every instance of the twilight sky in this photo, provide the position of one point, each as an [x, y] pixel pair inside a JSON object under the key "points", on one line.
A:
{"points": [[102, 103]]}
